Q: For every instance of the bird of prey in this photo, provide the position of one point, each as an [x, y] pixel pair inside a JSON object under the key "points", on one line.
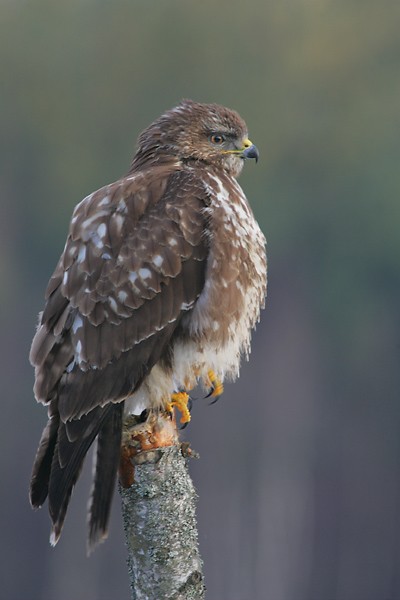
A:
{"points": [[160, 283]]}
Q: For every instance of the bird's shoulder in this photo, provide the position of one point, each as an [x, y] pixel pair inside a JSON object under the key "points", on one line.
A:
{"points": [[127, 239], [126, 199]]}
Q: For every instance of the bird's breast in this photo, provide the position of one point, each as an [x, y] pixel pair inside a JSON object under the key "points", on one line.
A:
{"points": [[235, 282]]}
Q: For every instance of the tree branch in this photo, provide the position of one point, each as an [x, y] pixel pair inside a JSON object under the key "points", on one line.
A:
{"points": [[158, 507]]}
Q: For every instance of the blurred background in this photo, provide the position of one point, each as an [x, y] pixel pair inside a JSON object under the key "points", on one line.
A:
{"points": [[299, 476]]}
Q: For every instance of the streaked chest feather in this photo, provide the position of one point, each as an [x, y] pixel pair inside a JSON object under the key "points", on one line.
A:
{"points": [[229, 306], [218, 328]]}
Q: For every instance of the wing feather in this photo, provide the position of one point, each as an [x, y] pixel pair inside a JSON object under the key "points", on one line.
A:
{"points": [[140, 286], [133, 265]]}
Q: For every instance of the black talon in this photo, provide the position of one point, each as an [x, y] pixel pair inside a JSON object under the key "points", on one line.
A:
{"points": [[215, 399], [143, 415], [210, 394]]}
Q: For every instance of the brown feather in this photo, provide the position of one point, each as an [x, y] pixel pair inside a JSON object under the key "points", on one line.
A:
{"points": [[138, 263], [106, 466], [42, 465]]}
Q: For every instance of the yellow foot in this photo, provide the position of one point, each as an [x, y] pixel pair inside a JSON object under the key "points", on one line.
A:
{"points": [[180, 400], [216, 386]]}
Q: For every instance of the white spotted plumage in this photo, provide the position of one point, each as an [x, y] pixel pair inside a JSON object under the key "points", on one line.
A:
{"points": [[161, 281], [192, 360]]}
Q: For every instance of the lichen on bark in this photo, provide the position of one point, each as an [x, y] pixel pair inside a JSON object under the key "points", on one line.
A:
{"points": [[159, 515]]}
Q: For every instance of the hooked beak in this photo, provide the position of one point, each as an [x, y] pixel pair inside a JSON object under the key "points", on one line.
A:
{"points": [[250, 150]]}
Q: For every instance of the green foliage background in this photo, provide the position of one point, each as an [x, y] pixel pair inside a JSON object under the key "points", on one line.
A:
{"points": [[299, 492]]}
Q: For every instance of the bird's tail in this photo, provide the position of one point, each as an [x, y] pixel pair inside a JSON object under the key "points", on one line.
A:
{"points": [[58, 463], [105, 473]]}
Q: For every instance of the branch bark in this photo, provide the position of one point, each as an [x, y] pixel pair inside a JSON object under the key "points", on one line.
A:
{"points": [[158, 507]]}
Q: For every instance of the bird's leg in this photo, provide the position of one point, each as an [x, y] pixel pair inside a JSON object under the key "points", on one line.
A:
{"points": [[180, 400], [216, 386]]}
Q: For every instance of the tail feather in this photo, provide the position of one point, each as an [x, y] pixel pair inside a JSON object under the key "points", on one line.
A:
{"points": [[58, 502], [66, 466], [42, 465], [106, 466], [59, 460]]}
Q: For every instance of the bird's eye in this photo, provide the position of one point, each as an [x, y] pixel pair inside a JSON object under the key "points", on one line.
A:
{"points": [[217, 139]]}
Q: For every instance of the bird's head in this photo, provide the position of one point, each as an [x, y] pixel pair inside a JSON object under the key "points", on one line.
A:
{"points": [[192, 131]]}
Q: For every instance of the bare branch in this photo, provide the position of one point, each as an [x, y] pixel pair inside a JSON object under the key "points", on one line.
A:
{"points": [[159, 513]]}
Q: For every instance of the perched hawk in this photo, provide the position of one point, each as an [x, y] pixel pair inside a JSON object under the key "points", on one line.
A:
{"points": [[160, 282]]}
